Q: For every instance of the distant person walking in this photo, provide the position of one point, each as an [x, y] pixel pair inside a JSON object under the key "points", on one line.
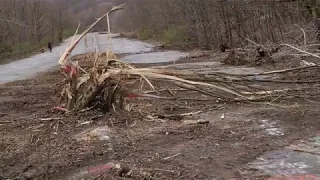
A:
{"points": [[50, 46]]}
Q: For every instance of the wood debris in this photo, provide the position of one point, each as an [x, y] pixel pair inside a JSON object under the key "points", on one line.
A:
{"points": [[109, 82]]}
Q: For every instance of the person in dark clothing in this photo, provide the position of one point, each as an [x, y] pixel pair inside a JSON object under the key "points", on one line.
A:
{"points": [[223, 47], [50, 46]]}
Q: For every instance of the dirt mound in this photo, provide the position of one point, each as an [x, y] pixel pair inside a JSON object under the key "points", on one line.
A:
{"points": [[253, 57], [236, 59]]}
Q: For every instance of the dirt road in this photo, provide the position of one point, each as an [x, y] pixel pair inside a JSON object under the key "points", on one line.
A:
{"points": [[29, 67], [157, 140]]}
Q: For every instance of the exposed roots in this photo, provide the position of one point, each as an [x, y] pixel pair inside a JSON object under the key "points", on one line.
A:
{"points": [[108, 82]]}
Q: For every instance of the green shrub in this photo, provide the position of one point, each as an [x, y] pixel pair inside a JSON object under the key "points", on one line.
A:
{"points": [[68, 32], [65, 34], [145, 34], [31, 46], [44, 41], [26, 46], [175, 34]]}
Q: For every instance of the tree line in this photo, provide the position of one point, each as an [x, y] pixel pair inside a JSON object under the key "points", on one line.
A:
{"points": [[28, 25], [210, 23]]}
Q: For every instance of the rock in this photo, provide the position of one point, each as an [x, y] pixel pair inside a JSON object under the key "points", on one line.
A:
{"points": [[100, 133], [29, 174], [125, 172], [199, 121]]}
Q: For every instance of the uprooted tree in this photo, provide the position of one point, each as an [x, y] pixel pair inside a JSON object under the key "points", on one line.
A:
{"points": [[108, 81]]}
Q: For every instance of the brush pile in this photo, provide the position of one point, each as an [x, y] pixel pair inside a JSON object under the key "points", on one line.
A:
{"points": [[108, 81]]}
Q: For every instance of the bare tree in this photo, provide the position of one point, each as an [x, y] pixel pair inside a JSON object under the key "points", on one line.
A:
{"points": [[211, 23]]}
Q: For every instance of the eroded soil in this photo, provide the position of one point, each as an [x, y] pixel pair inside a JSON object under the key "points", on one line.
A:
{"points": [[37, 142]]}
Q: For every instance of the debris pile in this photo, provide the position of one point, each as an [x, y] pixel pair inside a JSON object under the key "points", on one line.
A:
{"points": [[109, 82]]}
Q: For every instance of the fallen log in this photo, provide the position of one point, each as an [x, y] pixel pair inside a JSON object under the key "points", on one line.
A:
{"points": [[108, 82]]}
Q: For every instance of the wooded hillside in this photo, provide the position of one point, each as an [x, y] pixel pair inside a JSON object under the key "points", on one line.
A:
{"points": [[208, 23], [28, 25]]}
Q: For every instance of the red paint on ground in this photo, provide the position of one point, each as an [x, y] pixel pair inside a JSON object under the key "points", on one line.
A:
{"points": [[100, 169], [132, 96]]}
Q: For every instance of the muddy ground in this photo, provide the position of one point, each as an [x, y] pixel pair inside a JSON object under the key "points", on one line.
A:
{"points": [[38, 142]]}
